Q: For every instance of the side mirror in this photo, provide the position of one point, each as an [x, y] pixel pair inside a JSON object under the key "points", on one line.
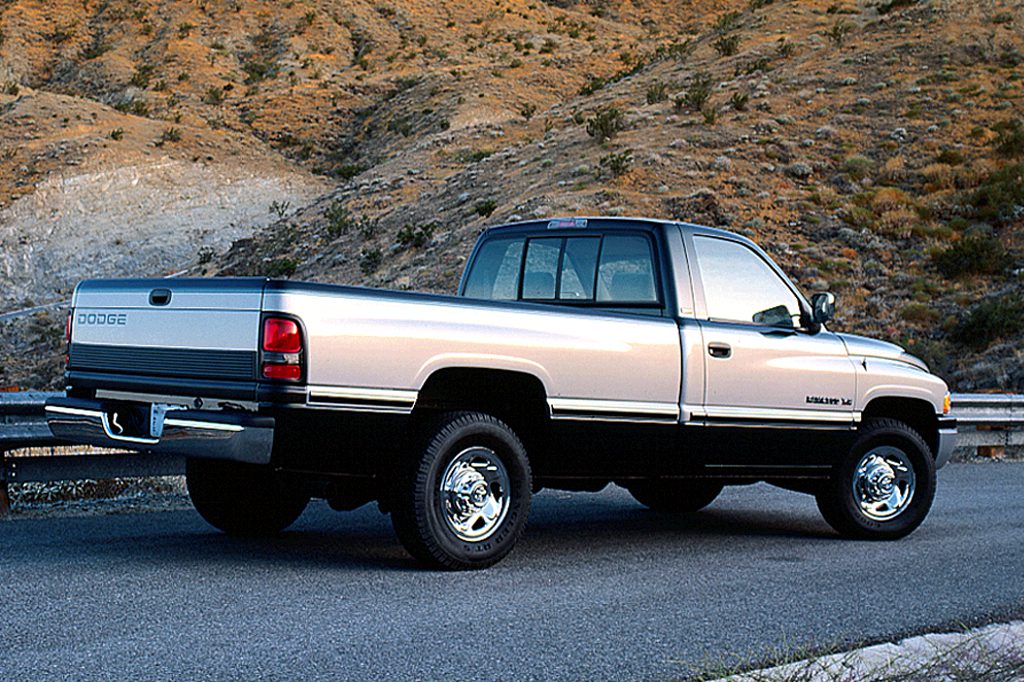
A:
{"points": [[823, 307]]}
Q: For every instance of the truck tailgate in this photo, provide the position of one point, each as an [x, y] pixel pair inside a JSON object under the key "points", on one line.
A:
{"points": [[183, 328]]}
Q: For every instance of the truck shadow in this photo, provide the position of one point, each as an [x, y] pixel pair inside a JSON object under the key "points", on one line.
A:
{"points": [[563, 528]]}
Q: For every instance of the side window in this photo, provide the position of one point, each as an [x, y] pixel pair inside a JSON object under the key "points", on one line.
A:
{"points": [[495, 273], [541, 269], [579, 263], [739, 286], [626, 271]]}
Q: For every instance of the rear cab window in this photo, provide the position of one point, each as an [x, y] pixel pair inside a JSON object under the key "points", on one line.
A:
{"points": [[603, 269]]}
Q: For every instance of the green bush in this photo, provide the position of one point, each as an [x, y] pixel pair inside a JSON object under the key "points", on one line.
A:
{"points": [[617, 164], [485, 208], [606, 124], [657, 92], [281, 267], [858, 167], [1010, 142], [1000, 198], [996, 318], [727, 46], [974, 254], [370, 260], [699, 92], [416, 236]]}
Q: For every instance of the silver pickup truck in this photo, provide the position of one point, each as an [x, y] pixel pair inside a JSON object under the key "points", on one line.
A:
{"points": [[669, 358]]}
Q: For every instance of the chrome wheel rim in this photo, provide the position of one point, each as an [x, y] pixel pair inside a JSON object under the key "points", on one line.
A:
{"points": [[474, 494], [884, 483]]}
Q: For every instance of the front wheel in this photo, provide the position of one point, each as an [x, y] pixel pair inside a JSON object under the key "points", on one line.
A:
{"points": [[884, 487], [462, 503], [243, 499]]}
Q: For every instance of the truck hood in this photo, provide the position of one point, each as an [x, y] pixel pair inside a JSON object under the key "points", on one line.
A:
{"points": [[873, 348]]}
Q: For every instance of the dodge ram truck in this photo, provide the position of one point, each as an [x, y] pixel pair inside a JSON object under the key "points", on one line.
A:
{"points": [[668, 358]]}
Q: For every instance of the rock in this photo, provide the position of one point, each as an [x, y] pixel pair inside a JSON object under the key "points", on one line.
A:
{"points": [[721, 163], [807, 143], [849, 80], [462, 198], [825, 133]]}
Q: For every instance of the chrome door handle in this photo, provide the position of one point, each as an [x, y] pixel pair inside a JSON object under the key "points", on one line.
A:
{"points": [[719, 350]]}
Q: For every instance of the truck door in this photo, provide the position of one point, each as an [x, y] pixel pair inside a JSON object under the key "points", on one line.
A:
{"points": [[772, 385]]}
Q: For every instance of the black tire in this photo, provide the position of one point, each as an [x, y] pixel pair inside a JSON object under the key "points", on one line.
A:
{"points": [[674, 496], [481, 457], [243, 499], [845, 499]]}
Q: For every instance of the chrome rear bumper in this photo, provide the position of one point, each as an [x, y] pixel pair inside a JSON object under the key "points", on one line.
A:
{"points": [[234, 436]]}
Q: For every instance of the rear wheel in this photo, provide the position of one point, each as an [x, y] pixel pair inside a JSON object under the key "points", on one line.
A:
{"points": [[884, 487], [243, 499], [674, 496], [462, 503]]}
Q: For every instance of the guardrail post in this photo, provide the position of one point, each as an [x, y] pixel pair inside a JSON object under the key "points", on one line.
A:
{"points": [[5, 498]]}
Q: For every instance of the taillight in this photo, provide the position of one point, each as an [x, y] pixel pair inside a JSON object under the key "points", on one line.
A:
{"points": [[281, 335], [282, 349]]}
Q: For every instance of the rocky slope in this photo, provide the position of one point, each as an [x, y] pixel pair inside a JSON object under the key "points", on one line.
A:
{"points": [[875, 149]]}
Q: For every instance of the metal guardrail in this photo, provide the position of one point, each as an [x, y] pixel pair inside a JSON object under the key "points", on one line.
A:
{"points": [[984, 421], [23, 425]]}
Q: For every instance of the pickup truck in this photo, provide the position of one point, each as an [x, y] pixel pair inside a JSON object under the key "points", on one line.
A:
{"points": [[668, 358]]}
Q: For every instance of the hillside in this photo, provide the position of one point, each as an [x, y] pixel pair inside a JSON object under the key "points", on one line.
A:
{"points": [[875, 149]]}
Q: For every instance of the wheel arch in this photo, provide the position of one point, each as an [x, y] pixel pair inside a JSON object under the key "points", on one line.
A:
{"points": [[518, 398], [915, 413]]}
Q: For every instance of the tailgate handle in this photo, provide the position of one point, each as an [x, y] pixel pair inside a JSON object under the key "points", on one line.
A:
{"points": [[160, 297]]}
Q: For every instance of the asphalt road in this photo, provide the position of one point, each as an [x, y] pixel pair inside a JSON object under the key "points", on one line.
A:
{"points": [[598, 589]]}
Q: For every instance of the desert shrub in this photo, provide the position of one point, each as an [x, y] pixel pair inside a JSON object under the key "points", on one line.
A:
{"points": [[338, 219], [938, 176], [117, 134], [606, 124], [485, 208], [919, 312], [892, 5], [890, 199], [837, 34], [281, 267], [370, 260], [1000, 197], [135, 107], [893, 170], [527, 110], [899, 223], [996, 318], [657, 92], [950, 156], [974, 254], [417, 236], [710, 115], [142, 76], [699, 92], [858, 167], [214, 95], [739, 101], [617, 164], [1010, 140], [170, 135], [727, 46]]}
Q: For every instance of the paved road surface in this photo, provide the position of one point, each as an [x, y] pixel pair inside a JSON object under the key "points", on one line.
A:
{"points": [[598, 589]]}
